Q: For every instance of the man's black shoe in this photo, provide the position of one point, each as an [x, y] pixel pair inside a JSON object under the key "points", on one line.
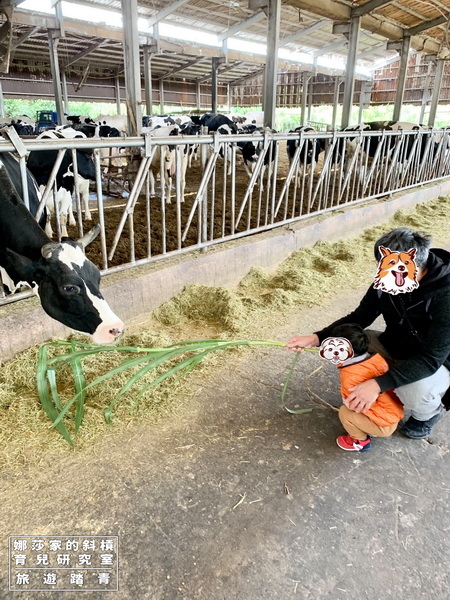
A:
{"points": [[419, 430]]}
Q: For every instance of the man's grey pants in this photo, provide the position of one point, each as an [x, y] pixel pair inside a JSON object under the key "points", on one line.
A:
{"points": [[421, 399]]}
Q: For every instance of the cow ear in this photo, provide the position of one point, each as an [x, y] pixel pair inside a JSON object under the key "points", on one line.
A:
{"points": [[48, 250]]}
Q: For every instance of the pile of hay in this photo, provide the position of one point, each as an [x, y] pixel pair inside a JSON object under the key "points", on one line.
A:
{"points": [[308, 277]]}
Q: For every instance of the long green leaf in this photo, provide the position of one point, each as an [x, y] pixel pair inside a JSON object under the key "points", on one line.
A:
{"points": [[80, 389], [44, 397]]}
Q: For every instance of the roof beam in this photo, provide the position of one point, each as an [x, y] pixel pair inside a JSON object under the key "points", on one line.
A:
{"points": [[306, 31], [85, 52], [342, 12], [181, 67], [221, 71], [245, 24], [165, 12], [371, 50], [245, 77], [427, 25], [24, 37], [368, 7]]}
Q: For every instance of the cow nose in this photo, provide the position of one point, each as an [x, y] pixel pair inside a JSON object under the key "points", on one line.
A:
{"points": [[116, 331]]}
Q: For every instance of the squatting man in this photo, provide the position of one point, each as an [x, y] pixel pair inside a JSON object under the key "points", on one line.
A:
{"points": [[416, 339]]}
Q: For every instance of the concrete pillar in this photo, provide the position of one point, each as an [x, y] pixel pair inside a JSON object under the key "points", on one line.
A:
{"points": [[271, 70], [2, 102], [132, 65], [214, 66], [53, 38], [436, 91], [148, 80], [117, 93], [349, 84], [404, 55]]}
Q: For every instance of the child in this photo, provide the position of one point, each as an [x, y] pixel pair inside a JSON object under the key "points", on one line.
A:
{"points": [[382, 418]]}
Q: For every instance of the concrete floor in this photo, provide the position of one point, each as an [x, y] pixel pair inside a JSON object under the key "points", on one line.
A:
{"points": [[232, 497]]}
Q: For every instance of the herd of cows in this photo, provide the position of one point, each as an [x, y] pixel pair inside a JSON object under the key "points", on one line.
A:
{"points": [[66, 282]]}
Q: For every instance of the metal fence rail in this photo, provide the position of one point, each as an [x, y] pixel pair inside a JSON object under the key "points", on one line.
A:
{"points": [[217, 198]]}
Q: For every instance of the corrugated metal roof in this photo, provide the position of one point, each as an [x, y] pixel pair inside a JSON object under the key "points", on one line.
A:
{"points": [[100, 46]]}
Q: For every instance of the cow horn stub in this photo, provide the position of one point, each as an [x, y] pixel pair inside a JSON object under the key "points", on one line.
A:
{"points": [[89, 236], [47, 250]]}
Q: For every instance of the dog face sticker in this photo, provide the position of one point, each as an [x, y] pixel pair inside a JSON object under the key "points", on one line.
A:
{"points": [[397, 272], [336, 349]]}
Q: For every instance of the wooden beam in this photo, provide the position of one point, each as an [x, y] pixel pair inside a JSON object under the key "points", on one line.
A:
{"points": [[24, 37]]}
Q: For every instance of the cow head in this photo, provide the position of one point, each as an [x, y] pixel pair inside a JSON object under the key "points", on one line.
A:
{"points": [[68, 286]]}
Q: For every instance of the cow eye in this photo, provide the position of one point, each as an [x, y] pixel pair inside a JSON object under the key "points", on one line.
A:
{"points": [[71, 289]]}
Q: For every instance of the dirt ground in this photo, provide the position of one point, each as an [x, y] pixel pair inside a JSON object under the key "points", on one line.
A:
{"points": [[231, 497]]}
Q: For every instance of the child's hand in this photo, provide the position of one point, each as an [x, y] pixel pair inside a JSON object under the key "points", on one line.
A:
{"points": [[297, 343]]}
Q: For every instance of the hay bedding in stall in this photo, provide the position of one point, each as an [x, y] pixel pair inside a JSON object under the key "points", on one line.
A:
{"points": [[308, 277]]}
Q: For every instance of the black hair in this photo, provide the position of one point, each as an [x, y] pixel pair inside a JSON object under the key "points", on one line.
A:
{"points": [[402, 240], [355, 334]]}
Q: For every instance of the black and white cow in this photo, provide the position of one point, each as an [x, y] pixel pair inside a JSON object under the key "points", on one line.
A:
{"points": [[252, 150], [40, 163], [310, 148], [65, 281]]}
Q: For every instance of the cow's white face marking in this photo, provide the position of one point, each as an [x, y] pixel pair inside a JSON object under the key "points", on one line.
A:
{"points": [[70, 256], [110, 327]]}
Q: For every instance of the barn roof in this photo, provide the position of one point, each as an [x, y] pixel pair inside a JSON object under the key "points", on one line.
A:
{"points": [[306, 29]]}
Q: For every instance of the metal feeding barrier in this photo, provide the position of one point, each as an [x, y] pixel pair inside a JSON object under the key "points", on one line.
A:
{"points": [[216, 198]]}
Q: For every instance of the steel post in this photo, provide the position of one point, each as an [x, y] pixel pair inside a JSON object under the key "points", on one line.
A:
{"points": [[53, 38], [404, 56], [349, 84], [436, 91], [148, 80], [132, 65], [271, 70]]}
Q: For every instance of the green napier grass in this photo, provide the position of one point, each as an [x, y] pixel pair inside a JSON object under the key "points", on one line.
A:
{"points": [[148, 360], [309, 277]]}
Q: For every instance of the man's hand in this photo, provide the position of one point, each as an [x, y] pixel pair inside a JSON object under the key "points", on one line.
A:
{"points": [[362, 396], [303, 341]]}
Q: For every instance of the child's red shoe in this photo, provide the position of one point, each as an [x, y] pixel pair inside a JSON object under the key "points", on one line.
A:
{"points": [[346, 442]]}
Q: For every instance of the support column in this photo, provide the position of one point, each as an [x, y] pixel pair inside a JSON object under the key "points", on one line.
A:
{"points": [[404, 55], [161, 96], [64, 92], [197, 96], [117, 94], [53, 38], [337, 86], [148, 80], [349, 85], [425, 93], [214, 66], [271, 71], [2, 102], [132, 65], [436, 91], [305, 82]]}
